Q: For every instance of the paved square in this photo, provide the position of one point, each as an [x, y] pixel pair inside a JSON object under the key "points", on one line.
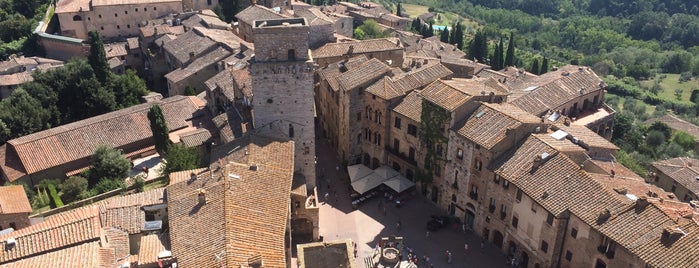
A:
{"points": [[368, 224]]}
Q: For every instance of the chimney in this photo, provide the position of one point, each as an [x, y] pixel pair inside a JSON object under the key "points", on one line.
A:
{"points": [[191, 55], [253, 167], [202, 196], [350, 50], [192, 176], [604, 215], [253, 2]]}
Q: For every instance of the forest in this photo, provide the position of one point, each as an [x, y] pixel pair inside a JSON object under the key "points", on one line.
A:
{"points": [[18, 18]]}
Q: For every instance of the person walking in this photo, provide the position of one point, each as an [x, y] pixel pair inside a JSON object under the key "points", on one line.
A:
{"points": [[448, 254], [466, 248], [427, 234]]}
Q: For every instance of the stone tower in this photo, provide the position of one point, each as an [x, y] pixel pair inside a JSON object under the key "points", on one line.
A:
{"points": [[282, 84]]}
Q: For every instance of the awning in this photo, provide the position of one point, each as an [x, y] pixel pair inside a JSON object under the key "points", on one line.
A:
{"points": [[386, 172], [357, 172], [367, 183], [399, 183]]}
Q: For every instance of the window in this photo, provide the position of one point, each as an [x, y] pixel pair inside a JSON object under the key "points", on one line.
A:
{"points": [[102, 28], [359, 138], [503, 211], [118, 27], [366, 134], [77, 18], [396, 144], [126, 12], [569, 255], [411, 154], [478, 165], [136, 9], [497, 179], [437, 171], [155, 8], [116, 15], [439, 149], [396, 123], [379, 118], [129, 26], [492, 205], [359, 116], [544, 246], [506, 184], [674, 187], [99, 16], [412, 130], [515, 221], [291, 131], [519, 195], [208, 2], [549, 219], [459, 153], [290, 54], [145, 9], [376, 116], [574, 233]]}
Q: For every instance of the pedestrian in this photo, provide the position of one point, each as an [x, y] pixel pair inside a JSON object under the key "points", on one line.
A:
{"points": [[448, 256], [455, 226], [427, 235], [463, 227], [482, 245], [327, 195], [466, 248], [337, 168]]}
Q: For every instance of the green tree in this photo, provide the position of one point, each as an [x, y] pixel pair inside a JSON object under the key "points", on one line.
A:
{"points": [[478, 47], [128, 89], [685, 140], [180, 158], [662, 128], [544, 66], [74, 188], [510, 56], [21, 114], [535, 66], [160, 130], [98, 57], [106, 185], [444, 35], [109, 164], [25, 7], [370, 29], [399, 9], [228, 9], [655, 138], [189, 91]]}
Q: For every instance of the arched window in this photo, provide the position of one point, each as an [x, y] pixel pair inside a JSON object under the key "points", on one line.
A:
{"points": [[291, 131], [379, 118], [453, 198], [77, 18], [376, 116]]}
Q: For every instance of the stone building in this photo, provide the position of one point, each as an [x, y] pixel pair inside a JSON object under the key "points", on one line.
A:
{"points": [[678, 176], [322, 27], [282, 84], [114, 19], [14, 207], [249, 15], [387, 50], [18, 70]]}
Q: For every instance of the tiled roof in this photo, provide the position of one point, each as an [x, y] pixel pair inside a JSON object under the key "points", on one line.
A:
{"points": [[334, 70], [114, 62], [58, 231], [15, 79], [125, 212], [245, 213], [132, 43], [224, 37], [589, 137], [368, 71], [314, 16], [116, 49], [13, 199], [554, 181], [421, 77], [117, 240], [677, 123], [410, 106], [435, 48], [66, 6], [198, 64], [161, 29], [74, 141], [10, 165], [257, 12], [82, 255], [385, 89], [451, 94], [151, 245], [196, 138], [187, 43], [362, 46], [127, 2], [489, 124], [551, 90], [683, 170]]}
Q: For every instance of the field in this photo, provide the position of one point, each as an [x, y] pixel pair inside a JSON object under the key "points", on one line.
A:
{"points": [[446, 19], [670, 83]]}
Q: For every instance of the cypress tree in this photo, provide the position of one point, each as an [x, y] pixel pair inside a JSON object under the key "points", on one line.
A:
{"points": [[159, 128], [501, 55], [544, 66], [98, 58], [495, 62], [510, 57], [458, 36], [398, 10], [535, 66], [444, 35], [430, 30]]}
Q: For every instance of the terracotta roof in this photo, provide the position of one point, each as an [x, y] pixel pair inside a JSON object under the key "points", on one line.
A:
{"points": [[125, 213], [257, 12], [367, 71], [357, 47], [683, 170], [554, 181], [225, 37], [385, 89], [587, 136], [184, 45], [150, 246], [161, 29], [677, 124], [132, 43], [15, 79], [117, 240], [410, 106], [313, 16], [10, 165], [56, 232], [127, 2], [13, 199], [82, 255], [66, 6], [489, 124], [196, 138], [74, 141], [331, 72], [551, 90], [420, 77], [114, 62], [116, 49], [201, 62], [451, 94], [435, 48], [224, 128], [245, 213]]}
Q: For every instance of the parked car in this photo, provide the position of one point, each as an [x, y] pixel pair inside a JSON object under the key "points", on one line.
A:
{"points": [[438, 222]]}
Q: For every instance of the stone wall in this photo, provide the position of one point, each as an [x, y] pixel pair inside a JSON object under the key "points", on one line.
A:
{"points": [[321, 35]]}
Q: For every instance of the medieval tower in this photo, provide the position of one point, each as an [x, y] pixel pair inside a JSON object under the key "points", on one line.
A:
{"points": [[282, 85]]}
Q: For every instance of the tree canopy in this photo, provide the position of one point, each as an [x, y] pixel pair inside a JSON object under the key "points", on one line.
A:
{"points": [[108, 164], [370, 29], [160, 130]]}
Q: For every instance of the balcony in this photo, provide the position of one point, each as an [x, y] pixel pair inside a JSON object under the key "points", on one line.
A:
{"points": [[401, 155]]}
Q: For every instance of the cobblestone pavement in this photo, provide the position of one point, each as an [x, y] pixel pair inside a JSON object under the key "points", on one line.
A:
{"points": [[368, 224]]}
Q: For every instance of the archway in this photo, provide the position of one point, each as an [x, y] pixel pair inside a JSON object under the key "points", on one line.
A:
{"points": [[524, 260], [367, 158], [497, 239], [468, 219]]}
